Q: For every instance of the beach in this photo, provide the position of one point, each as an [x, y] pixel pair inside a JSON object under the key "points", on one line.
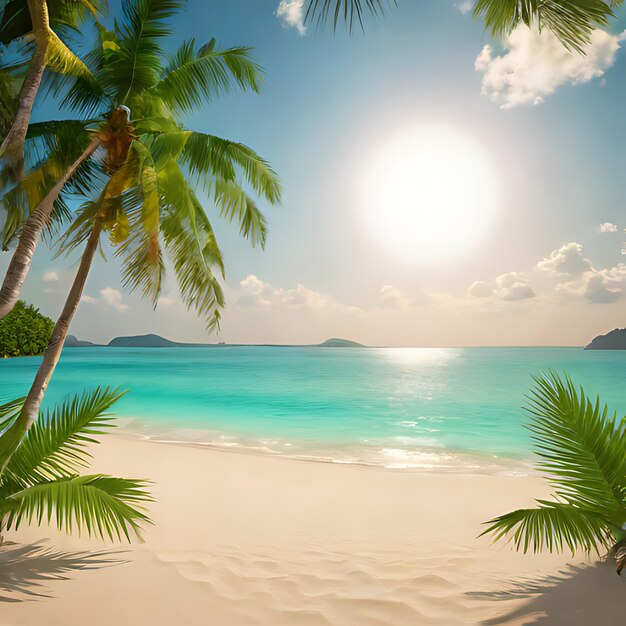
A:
{"points": [[243, 539]]}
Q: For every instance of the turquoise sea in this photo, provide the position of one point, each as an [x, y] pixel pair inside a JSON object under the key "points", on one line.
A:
{"points": [[398, 407]]}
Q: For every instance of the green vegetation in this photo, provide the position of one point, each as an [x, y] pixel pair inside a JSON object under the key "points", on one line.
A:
{"points": [[572, 21], [24, 331], [582, 450], [137, 168], [41, 480], [35, 26]]}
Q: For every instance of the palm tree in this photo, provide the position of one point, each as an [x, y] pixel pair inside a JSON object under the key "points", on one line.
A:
{"points": [[41, 479], [151, 165], [572, 21], [35, 24], [129, 75], [582, 449]]}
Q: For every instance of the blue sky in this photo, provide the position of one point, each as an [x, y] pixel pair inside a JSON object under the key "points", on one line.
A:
{"points": [[551, 124]]}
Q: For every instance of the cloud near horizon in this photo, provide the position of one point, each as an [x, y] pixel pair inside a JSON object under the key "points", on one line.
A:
{"points": [[581, 280], [256, 293], [509, 287], [535, 63]]}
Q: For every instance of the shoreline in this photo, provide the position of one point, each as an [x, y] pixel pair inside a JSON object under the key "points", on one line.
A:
{"points": [[459, 462], [252, 540]]}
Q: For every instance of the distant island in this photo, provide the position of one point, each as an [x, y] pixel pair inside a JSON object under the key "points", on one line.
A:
{"points": [[334, 342], [74, 342], [150, 341], [615, 340], [156, 341]]}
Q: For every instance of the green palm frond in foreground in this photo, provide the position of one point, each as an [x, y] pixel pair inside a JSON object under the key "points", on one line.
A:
{"points": [[41, 481], [582, 449]]}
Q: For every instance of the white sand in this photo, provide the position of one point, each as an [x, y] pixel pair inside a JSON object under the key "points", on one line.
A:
{"points": [[246, 540]]}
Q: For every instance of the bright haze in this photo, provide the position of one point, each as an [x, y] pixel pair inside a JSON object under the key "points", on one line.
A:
{"points": [[441, 189]]}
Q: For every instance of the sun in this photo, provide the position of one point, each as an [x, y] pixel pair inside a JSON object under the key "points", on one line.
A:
{"points": [[430, 194]]}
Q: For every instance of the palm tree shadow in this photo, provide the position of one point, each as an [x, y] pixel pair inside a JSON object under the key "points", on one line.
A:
{"points": [[577, 596], [25, 569]]}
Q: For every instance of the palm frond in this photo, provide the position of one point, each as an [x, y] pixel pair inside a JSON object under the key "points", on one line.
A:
{"points": [[105, 506], [142, 264], [572, 21], [194, 77], [15, 20], [60, 59], [192, 247], [552, 525], [55, 444], [209, 158], [137, 64], [582, 449], [350, 12], [236, 205], [8, 412], [581, 446]]}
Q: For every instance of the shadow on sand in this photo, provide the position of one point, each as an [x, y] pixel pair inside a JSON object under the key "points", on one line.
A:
{"points": [[577, 596], [24, 569]]}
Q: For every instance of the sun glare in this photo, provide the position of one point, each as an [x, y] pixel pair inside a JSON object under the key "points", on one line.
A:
{"points": [[430, 194]]}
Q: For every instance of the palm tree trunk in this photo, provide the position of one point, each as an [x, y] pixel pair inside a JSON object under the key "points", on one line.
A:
{"points": [[12, 148], [11, 439], [3, 523], [36, 222]]}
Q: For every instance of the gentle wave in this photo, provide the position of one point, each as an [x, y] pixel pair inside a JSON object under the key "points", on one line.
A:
{"points": [[387, 457]]}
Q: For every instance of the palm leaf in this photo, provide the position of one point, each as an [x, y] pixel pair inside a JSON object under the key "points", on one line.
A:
{"points": [[236, 205], [552, 525], [583, 450], [194, 77], [572, 21], [55, 444], [192, 247], [349, 11], [15, 20], [581, 446], [141, 253], [137, 65], [209, 157], [60, 59], [8, 412], [105, 506]]}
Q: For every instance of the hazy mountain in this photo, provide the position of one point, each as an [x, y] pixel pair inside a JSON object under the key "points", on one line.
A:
{"points": [[615, 340], [335, 342], [73, 342]]}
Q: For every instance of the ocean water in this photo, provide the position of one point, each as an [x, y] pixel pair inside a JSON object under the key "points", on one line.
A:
{"points": [[448, 408]]}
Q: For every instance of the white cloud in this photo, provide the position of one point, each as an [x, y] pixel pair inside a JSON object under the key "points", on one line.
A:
{"points": [[259, 294], [393, 298], [480, 289], [510, 287], [464, 6], [536, 63], [50, 277], [581, 280], [166, 301], [513, 286], [598, 286], [291, 14], [568, 260], [607, 227], [110, 298]]}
